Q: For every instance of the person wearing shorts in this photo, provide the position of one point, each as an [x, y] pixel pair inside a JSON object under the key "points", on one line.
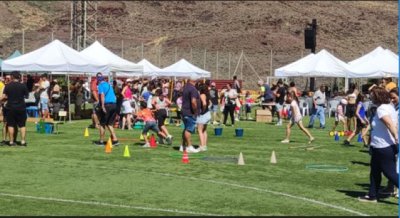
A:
{"points": [[205, 116], [190, 110], [147, 116], [15, 93], [107, 111], [291, 98]]}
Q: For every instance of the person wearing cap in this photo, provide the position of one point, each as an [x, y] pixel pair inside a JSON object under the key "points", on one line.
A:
{"points": [[214, 103], [266, 94], [190, 111], [107, 110], [15, 93], [160, 104], [318, 110]]}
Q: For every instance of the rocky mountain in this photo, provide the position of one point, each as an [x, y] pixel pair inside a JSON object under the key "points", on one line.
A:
{"points": [[210, 34]]}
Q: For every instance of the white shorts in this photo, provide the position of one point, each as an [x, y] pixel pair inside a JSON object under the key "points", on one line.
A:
{"points": [[126, 107], [296, 119], [204, 119]]}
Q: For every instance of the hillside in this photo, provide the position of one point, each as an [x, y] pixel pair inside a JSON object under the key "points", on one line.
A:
{"points": [[195, 29]]}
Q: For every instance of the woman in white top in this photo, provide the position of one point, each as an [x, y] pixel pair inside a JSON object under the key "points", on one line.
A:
{"points": [[384, 143], [291, 98]]}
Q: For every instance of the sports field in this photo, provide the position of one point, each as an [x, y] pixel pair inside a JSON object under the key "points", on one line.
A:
{"points": [[66, 174]]}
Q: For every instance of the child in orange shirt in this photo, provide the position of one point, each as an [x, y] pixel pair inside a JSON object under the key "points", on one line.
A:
{"points": [[150, 123]]}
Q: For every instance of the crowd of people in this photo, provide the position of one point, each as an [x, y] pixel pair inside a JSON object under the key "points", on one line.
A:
{"points": [[199, 103]]}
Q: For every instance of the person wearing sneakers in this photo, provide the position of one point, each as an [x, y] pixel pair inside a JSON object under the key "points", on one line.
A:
{"points": [[161, 104], [291, 98], [107, 110], [362, 122], [214, 101], [190, 111], [15, 93], [383, 145], [147, 116], [280, 100], [318, 110], [205, 116]]}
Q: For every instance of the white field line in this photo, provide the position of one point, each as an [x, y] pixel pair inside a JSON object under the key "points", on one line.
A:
{"points": [[105, 204], [233, 185]]}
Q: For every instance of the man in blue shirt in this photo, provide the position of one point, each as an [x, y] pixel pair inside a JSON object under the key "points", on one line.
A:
{"points": [[106, 110]]}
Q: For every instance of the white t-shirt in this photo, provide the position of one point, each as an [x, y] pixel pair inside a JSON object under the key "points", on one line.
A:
{"points": [[380, 134], [45, 86]]}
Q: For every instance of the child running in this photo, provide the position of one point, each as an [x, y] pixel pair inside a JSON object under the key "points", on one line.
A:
{"points": [[339, 115], [291, 98], [362, 122], [150, 123]]}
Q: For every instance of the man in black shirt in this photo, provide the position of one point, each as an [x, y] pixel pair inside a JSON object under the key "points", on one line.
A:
{"points": [[214, 101], [15, 93]]}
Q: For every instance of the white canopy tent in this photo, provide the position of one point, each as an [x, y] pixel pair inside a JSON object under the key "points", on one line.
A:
{"points": [[183, 68], [322, 64], [376, 64], [149, 69], [55, 56], [120, 66]]}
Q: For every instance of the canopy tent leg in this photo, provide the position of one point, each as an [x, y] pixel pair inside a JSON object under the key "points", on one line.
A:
{"points": [[69, 99]]}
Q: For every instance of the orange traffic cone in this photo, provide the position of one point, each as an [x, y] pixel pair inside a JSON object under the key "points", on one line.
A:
{"points": [[108, 147], [185, 157], [153, 142]]}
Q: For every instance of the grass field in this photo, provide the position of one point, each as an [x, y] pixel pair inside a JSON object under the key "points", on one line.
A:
{"points": [[66, 174]]}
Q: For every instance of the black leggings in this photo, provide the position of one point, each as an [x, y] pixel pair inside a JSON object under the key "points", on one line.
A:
{"points": [[383, 160], [229, 108]]}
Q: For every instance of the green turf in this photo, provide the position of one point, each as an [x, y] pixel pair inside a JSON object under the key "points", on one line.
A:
{"points": [[66, 174]]}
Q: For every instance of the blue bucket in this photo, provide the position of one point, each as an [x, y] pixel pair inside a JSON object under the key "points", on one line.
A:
{"points": [[239, 132], [218, 131], [48, 128]]}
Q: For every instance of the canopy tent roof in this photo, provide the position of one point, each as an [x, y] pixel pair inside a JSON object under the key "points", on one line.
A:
{"points": [[122, 67], [183, 68], [322, 64], [15, 54], [55, 56], [149, 69], [376, 64]]}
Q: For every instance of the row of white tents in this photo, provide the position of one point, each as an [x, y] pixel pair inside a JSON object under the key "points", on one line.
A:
{"points": [[378, 63], [58, 58]]}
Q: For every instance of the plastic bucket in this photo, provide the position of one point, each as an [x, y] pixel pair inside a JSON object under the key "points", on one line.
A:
{"points": [[48, 128], [218, 131], [239, 132]]}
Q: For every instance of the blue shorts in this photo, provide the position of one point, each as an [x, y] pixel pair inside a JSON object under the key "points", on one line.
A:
{"points": [[44, 104], [190, 123], [150, 125]]}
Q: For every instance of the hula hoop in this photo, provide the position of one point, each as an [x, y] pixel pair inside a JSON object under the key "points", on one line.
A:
{"points": [[191, 155], [326, 167]]}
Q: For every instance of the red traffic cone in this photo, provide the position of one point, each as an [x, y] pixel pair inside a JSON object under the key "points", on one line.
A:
{"points": [[153, 142], [185, 157]]}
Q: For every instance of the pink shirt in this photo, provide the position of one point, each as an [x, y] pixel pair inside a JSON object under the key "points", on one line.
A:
{"points": [[128, 93]]}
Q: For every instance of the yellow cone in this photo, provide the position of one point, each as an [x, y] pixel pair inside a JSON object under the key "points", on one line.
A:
{"points": [[241, 160], [141, 137], [273, 158], [109, 142], [86, 133], [126, 152]]}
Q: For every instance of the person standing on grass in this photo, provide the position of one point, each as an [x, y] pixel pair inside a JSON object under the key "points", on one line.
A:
{"points": [[280, 93], [205, 116], [390, 189], [339, 115], [291, 98], [230, 103], [362, 122], [160, 105], [384, 144], [44, 95], [318, 108], [190, 111], [107, 111], [15, 93], [126, 108], [214, 101], [95, 98]]}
